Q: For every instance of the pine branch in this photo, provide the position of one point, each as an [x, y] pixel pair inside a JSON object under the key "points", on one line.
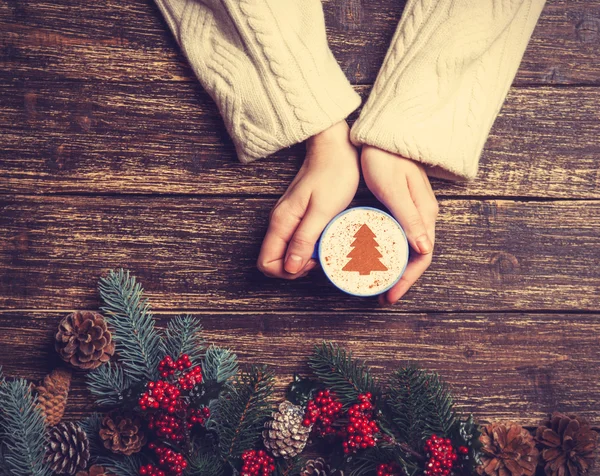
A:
{"points": [[219, 365], [22, 429], [347, 377], [421, 405], [205, 464], [139, 346], [108, 383], [241, 413], [91, 426], [183, 336], [121, 465]]}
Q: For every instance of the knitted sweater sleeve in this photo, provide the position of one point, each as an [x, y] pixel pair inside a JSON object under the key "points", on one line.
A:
{"points": [[268, 67], [444, 80]]}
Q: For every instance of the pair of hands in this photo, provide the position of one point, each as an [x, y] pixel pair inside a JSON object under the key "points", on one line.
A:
{"points": [[325, 186]]}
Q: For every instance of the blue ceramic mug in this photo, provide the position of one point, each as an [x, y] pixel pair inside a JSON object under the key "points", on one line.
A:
{"points": [[363, 251]]}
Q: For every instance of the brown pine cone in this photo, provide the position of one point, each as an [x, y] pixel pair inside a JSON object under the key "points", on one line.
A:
{"points": [[568, 445], [68, 449], [121, 434], [84, 341], [52, 395], [318, 467], [508, 450], [284, 435], [95, 470]]}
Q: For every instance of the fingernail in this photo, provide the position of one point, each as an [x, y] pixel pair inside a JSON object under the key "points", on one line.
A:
{"points": [[293, 264], [383, 302], [424, 245]]}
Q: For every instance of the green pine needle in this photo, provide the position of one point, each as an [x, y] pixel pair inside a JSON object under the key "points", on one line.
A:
{"points": [[241, 413], [121, 465], [421, 405], [91, 426], [183, 336], [347, 377], [128, 313], [108, 383], [206, 464], [219, 365], [23, 430]]}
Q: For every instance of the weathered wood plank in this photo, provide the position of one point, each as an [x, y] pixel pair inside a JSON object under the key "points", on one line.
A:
{"points": [[500, 366], [199, 253], [128, 41], [168, 138]]}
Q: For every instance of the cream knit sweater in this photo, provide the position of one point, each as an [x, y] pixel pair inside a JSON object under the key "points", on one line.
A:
{"points": [[268, 66]]}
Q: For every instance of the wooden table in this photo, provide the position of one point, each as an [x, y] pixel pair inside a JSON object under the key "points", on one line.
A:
{"points": [[113, 156]]}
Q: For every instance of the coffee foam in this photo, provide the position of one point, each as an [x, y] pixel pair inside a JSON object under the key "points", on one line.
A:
{"points": [[374, 256]]}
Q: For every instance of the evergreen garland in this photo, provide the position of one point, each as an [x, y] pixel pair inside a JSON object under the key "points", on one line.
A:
{"points": [[183, 336], [22, 430], [240, 415], [219, 365], [206, 464], [138, 344], [108, 383], [337, 370], [91, 426], [121, 465]]}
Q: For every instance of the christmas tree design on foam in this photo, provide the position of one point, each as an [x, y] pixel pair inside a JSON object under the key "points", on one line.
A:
{"points": [[364, 258]]}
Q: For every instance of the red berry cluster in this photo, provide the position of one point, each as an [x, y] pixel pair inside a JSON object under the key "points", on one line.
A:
{"points": [[388, 469], [166, 426], [442, 456], [322, 411], [256, 463], [170, 463], [168, 366], [198, 416], [161, 395], [361, 426], [190, 379]]}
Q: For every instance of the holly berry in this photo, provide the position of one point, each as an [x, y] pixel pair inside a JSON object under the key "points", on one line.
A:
{"points": [[463, 450], [256, 463], [361, 428], [198, 416], [166, 426], [170, 463], [161, 395], [442, 456], [389, 469], [190, 379], [322, 412], [168, 366]]}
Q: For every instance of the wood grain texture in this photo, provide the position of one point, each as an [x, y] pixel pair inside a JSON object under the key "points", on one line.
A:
{"points": [[128, 41], [199, 253], [168, 138], [500, 366]]}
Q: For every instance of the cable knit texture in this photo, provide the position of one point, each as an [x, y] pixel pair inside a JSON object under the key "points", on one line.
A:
{"points": [[444, 80], [267, 65]]}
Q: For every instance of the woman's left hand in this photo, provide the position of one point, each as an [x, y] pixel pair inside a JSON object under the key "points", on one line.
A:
{"points": [[403, 187]]}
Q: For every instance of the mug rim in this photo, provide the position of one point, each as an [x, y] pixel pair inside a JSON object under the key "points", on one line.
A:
{"points": [[403, 234]]}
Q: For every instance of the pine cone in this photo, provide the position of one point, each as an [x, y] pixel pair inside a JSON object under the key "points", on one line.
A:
{"points": [[318, 467], [84, 341], [508, 450], [568, 445], [122, 435], [68, 449], [284, 435], [52, 395], [95, 470]]}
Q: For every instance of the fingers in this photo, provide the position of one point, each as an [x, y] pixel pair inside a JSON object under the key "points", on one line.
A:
{"points": [[416, 267], [302, 244], [401, 204], [282, 224]]}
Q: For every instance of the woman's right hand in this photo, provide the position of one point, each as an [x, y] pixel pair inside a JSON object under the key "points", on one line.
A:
{"points": [[324, 186], [403, 187]]}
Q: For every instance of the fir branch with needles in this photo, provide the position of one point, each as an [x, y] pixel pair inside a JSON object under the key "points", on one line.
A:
{"points": [[107, 384], [128, 313], [205, 464], [341, 373], [121, 465], [420, 405], [184, 336], [219, 365], [22, 430], [91, 426], [241, 413]]}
